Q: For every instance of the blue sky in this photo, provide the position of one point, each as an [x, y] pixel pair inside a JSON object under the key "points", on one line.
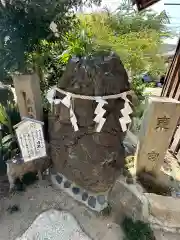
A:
{"points": [[172, 11]]}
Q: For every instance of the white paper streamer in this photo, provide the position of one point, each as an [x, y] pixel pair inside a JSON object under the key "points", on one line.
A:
{"points": [[73, 119], [67, 101], [54, 29], [50, 95], [125, 119], [100, 111], [124, 97]]}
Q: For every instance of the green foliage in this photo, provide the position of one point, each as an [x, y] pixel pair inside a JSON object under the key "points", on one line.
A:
{"points": [[151, 85], [23, 24], [138, 86], [137, 230], [136, 37], [27, 43], [9, 147], [106, 211], [137, 49], [5, 119], [9, 116], [51, 58], [126, 20], [137, 117], [77, 43], [46, 61]]}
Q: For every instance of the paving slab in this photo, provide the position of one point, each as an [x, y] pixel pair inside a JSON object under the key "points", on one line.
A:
{"points": [[56, 225], [41, 197]]}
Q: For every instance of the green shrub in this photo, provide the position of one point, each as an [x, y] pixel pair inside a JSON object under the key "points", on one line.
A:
{"points": [[137, 230], [138, 86], [78, 43], [137, 116], [151, 84], [9, 147], [9, 116]]}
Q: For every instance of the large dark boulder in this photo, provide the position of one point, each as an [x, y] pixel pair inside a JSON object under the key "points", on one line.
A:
{"points": [[101, 75], [93, 160]]}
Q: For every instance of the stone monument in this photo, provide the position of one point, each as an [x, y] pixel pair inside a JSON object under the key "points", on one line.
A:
{"points": [[85, 135], [28, 94], [158, 125]]}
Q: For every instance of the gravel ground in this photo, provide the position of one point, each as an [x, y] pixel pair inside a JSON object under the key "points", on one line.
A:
{"points": [[41, 197]]}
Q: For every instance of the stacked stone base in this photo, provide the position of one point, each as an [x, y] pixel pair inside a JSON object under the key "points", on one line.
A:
{"points": [[94, 201]]}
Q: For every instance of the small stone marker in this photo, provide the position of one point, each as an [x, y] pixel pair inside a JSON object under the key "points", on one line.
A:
{"points": [[158, 125], [31, 140], [28, 94]]}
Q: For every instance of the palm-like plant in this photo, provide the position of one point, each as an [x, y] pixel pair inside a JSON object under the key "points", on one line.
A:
{"points": [[5, 119], [9, 116]]}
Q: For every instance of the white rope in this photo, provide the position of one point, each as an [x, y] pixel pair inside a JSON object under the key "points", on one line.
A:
{"points": [[99, 111], [73, 95]]}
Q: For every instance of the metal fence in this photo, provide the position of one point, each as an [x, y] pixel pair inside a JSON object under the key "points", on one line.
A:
{"points": [[171, 89]]}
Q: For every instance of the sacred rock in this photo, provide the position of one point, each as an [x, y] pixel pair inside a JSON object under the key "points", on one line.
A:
{"points": [[91, 159]]}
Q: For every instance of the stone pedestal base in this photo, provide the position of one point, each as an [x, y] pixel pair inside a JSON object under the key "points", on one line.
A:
{"points": [[96, 202]]}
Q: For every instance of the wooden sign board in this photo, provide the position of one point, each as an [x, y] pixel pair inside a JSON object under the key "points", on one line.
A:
{"points": [[31, 140], [143, 4]]}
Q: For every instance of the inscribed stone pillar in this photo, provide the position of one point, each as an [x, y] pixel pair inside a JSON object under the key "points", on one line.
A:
{"points": [[28, 94], [158, 125]]}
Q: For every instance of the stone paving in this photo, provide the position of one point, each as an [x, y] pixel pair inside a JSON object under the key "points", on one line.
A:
{"points": [[56, 225], [41, 197]]}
